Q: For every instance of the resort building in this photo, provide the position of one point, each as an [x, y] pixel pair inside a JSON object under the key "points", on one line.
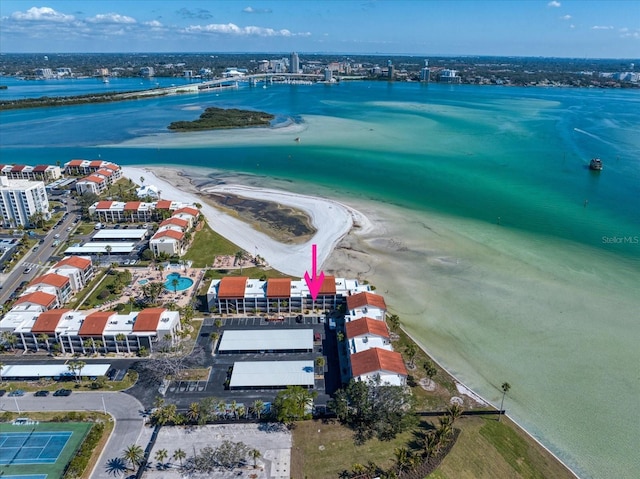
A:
{"points": [[169, 242], [79, 270], [140, 211], [22, 202], [92, 184], [377, 362], [54, 284], [86, 167], [148, 191], [366, 304], [278, 296], [45, 173], [366, 333], [88, 333]]}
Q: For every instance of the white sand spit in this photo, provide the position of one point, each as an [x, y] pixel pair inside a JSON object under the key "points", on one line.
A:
{"points": [[333, 220]]}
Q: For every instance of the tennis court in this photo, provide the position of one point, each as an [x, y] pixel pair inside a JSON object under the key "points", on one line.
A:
{"points": [[38, 451], [33, 447]]}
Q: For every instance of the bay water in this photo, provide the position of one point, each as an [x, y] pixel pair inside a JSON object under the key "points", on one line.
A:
{"points": [[517, 263]]}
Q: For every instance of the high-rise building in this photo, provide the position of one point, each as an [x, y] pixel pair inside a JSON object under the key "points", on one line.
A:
{"points": [[294, 63], [390, 71], [21, 200], [425, 73]]}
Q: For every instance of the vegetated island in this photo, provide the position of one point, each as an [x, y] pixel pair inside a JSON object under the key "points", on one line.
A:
{"points": [[217, 118], [46, 101]]}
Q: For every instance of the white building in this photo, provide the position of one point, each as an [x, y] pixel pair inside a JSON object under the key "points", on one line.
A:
{"points": [[20, 200]]}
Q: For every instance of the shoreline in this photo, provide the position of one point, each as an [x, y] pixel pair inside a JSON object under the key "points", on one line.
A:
{"points": [[345, 249]]}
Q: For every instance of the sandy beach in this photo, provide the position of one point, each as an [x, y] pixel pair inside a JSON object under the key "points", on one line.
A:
{"points": [[333, 220]]}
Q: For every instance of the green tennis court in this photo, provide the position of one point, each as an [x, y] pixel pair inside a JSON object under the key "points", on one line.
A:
{"points": [[39, 451]]}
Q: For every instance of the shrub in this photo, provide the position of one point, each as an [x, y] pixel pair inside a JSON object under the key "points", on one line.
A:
{"points": [[79, 463], [104, 294]]}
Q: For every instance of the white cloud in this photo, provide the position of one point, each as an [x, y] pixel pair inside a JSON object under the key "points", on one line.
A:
{"points": [[602, 27], [111, 18], [233, 29], [42, 14], [554, 4], [256, 10], [153, 23], [624, 30], [572, 26], [628, 34], [566, 17]]}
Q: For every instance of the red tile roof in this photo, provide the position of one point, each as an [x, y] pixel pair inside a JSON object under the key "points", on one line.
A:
{"points": [[38, 297], [147, 320], [93, 179], [111, 166], [93, 325], [132, 205], [328, 285], [187, 210], [163, 205], [40, 168], [75, 261], [104, 205], [279, 288], [48, 321], [75, 163], [363, 326], [104, 172], [232, 287], [175, 221], [95, 163], [17, 168], [366, 299], [177, 235], [51, 279], [376, 359]]}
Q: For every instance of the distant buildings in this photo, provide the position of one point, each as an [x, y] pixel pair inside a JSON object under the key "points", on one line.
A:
{"points": [[449, 76], [294, 63], [425, 73], [147, 72], [22, 202], [44, 173]]}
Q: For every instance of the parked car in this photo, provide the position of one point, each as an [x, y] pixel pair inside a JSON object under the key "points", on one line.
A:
{"points": [[62, 392], [27, 270], [2, 392], [17, 392], [41, 394]]}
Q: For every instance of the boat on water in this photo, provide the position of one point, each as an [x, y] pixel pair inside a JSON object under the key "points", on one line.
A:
{"points": [[595, 164]]}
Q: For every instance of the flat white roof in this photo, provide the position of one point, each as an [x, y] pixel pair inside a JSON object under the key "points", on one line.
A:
{"points": [[137, 233], [272, 374], [99, 247], [50, 370], [266, 340]]}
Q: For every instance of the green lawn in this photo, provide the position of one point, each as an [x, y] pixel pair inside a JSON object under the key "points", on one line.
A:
{"points": [[54, 471], [207, 244]]}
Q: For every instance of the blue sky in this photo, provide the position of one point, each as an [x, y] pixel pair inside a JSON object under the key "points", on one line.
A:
{"points": [[559, 28]]}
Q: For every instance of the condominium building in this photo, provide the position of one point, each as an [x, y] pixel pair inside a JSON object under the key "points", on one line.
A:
{"points": [[22, 202], [294, 63], [46, 173]]}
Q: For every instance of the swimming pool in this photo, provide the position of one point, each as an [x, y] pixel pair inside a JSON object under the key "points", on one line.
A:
{"points": [[182, 282], [142, 282]]}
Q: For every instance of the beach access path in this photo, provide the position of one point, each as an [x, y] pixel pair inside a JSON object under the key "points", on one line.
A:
{"points": [[332, 220]]}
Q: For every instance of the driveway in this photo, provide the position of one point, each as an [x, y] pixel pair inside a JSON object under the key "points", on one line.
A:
{"points": [[126, 410]]}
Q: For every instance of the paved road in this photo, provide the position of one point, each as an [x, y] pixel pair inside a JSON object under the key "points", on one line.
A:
{"points": [[126, 410]]}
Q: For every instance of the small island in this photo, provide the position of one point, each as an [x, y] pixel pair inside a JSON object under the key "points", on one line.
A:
{"points": [[217, 118]]}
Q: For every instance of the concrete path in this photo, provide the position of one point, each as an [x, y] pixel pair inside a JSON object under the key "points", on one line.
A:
{"points": [[125, 409]]}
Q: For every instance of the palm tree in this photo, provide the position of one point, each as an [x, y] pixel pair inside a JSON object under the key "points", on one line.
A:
{"points": [[394, 321], [161, 455], [175, 282], [142, 180], [358, 469], [97, 345], [505, 389], [1, 368], [411, 350], [194, 412], [255, 455], [134, 454], [44, 338], [455, 411], [234, 409], [79, 366], [429, 369], [258, 407], [402, 459], [180, 455], [431, 444], [108, 249]]}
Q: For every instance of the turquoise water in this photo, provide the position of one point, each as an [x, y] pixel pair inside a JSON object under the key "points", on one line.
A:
{"points": [[143, 281], [527, 264], [182, 284]]}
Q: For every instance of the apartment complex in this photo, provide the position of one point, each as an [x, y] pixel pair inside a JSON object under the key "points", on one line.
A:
{"points": [[22, 202], [99, 174], [85, 332], [46, 173]]}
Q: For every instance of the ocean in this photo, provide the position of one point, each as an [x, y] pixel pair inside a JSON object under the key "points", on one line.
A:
{"points": [[517, 262]]}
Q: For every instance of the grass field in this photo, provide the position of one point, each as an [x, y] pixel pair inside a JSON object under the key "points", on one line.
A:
{"points": [[485, 448], [55, 470], [206, 245]]}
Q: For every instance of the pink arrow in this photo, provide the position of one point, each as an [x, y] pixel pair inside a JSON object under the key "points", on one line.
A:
{"points": [[315, 281]]}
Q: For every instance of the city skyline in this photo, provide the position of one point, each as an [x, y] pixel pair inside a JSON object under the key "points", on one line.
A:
{"points": [[556, 28]]}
